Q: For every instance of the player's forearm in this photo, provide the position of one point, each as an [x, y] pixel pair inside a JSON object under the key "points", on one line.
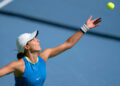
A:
{"points": [[75, 38]]}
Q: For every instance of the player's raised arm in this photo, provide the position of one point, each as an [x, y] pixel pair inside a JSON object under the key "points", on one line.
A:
{"points": [[89, 24], [71, 41]]}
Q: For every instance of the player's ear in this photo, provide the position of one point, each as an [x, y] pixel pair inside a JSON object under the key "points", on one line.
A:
{"points": [[26, 47]]}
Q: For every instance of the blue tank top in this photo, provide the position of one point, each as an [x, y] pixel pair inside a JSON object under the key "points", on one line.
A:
{"points": [[34, 74]]}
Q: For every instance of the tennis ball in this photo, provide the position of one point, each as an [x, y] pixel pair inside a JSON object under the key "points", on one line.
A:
{"points": [[110, 5]]}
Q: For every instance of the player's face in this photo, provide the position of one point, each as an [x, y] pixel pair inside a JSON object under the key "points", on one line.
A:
{"points": [[34, 45]]}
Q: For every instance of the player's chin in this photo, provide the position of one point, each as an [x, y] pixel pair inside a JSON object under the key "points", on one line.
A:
{"points": [[39, 49]]}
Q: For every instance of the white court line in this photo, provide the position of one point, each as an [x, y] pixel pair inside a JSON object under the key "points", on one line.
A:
{"points": [[5, 2]]}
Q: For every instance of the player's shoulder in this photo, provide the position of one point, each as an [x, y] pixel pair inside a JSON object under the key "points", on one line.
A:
{"points": [[19, 68], [45, 54], [18, 63]]}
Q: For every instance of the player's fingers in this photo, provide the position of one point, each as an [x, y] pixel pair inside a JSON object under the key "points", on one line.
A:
{"points": [[90, 18], [97, 20], [97, 24]]}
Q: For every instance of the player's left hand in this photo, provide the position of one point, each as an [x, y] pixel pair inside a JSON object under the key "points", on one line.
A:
{"points": [[93, 23]]}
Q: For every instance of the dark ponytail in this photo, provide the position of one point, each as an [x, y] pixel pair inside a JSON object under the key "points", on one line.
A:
{"points": [[20, 55]]}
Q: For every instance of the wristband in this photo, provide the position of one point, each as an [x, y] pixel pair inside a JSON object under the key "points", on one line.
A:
{"points": [[84, 28]]}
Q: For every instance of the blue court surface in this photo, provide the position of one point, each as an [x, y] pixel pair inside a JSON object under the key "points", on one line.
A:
{"points": [[93, 61]]}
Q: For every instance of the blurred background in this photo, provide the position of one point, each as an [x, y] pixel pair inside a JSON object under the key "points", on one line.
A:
{"points": [[93, 61]]}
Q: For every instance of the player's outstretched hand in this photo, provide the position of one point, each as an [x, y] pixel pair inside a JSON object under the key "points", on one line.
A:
{"points": [[93, 23]]}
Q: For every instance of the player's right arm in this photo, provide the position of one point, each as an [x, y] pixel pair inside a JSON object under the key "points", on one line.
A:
{"points": [[8, 68]]}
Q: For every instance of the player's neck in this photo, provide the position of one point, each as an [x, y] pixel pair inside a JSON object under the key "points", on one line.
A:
{"points": [[33, 57]]}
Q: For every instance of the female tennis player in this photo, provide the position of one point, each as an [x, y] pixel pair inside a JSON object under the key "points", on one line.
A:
{"points": [[30, 68]]}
